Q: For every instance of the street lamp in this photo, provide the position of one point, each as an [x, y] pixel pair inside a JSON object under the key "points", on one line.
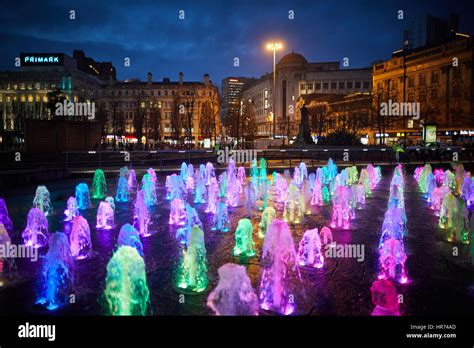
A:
{"points": [[274, 46]]}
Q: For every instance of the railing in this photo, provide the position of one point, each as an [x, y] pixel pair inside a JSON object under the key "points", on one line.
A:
{"points": [[166, 159]]}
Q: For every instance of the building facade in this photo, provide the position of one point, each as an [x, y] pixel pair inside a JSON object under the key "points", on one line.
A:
{"points": [[436, 78], [296, 77], [27, 93], [166, 111], [232, 88]]}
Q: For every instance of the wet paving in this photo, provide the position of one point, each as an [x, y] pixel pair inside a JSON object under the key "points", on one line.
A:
{"points": [[441, 282]]}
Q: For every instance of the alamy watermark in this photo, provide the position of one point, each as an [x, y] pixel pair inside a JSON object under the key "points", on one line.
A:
{"points": [[354, 251], [392, 108], [9, 250], [239, 156], [68, 108]]}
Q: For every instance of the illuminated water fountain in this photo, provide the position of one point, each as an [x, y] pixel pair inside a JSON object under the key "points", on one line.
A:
{"points": [[200, 192], [268, 216], [150, 190], [279, 259], [151, 172], [80, 238], [177, 212], [122, 194], [436, 198], [233, 294], [129, 236], [71, 209], [141, 216], [317, 195], [192, 270], [210, 173], [126, 291], [82, 196], [293, 210], [244, 245], [309, 251], [341, 210], [392, 260], [394, 225], [132, 180], [99, 185], [326, 236], [36, 231], [241, 176], [56, 281], [223, 184], [184, 172], [233, 192], [263, 171], [174, 186], [42, 200], [385, 298], [105, 216], [221, 220], [212, 196], [192, 219], [111, 202], [4, 217]]}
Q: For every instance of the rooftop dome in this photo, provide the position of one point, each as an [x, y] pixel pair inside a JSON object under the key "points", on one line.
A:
{"points": [[292, 60]]}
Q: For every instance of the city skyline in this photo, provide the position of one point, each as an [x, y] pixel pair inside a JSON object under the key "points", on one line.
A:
{"points": [[165, 45]]}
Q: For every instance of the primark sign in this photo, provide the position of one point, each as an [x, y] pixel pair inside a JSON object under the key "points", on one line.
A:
{"points": [[42, 59]]}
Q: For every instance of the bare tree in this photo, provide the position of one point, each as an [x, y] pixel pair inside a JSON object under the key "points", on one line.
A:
{"points": [[139, 118], [249, 125], [155, 123], [205, 120], [176, 123]]}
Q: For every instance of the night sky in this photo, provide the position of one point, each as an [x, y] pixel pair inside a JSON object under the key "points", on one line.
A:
{"points": [[213, 32]]}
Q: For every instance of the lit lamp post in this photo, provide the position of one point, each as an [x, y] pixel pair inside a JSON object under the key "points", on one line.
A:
{"points": [[274, 46]]}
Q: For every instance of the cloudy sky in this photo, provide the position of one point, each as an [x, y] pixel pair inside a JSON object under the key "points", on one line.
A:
{"points": [[213, 33]]}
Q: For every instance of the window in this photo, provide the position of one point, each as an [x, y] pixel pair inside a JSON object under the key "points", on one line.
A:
{"points": [[434, 76], [325, 85], [318, 86], [411, 81], [159, 93], [366, 84], [302, 86], [333, 85], [152, 92], [434, 93], [422, 78], [349, 85], [357, 84], [309, 86], [342, 85], [166, 92], [422, 96]]}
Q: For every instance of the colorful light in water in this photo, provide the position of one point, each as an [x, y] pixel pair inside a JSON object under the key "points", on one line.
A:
{"points": [[244, 245], [99, 185], [56, 282], [126, 290], [82, 196], [233, 294]]}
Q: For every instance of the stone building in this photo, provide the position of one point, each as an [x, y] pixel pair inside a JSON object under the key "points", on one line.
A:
{"points": [[167, 111], [438, 78], [26, 93], [295, 77]]}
